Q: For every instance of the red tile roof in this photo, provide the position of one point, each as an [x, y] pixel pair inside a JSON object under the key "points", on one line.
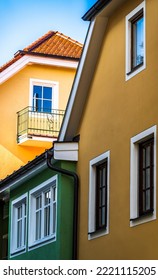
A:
{"points": [[50, 44]]}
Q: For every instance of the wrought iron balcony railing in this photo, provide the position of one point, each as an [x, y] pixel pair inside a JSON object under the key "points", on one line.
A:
{"points": [[39, 124]]}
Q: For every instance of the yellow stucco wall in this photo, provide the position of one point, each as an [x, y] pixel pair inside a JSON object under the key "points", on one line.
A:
{"points": [[117, 110], [14, 96]]}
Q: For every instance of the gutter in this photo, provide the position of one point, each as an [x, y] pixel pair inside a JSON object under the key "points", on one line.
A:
{"points": [[49, 156], [95, 9]]}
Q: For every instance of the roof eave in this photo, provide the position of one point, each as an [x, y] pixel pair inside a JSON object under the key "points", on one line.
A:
{"points": [[28, 59], [95, 9], [23, 174], [48, 55], [87, 64]]}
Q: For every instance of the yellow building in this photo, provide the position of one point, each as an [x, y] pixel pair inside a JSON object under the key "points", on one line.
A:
{"points": [[34, 89], [113, 107]]}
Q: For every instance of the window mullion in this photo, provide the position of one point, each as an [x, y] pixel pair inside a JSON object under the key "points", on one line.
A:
{"points": [[51, 211], [23, 221], [151, 172], [42, 216]]}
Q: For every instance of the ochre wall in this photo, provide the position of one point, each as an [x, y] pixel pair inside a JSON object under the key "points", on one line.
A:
{"points": [[117, 110]]}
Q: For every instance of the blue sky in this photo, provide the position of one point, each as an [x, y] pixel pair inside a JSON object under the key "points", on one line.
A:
{"points": [[22, 22]]}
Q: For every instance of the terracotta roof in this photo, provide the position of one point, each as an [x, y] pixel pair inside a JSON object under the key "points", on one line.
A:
{"points": [[50, 44]]}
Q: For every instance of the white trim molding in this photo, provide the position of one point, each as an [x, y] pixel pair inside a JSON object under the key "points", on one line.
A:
{"points": [[28, 60], [18, 235], [129, 74], [46, 224], [66, 151], [92, 233], [134, 216], [55, 90]]}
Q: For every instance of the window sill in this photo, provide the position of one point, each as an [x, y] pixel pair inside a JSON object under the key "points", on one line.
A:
{"points": [[149, 213], [42, 242], [147, 217], [135, 68], [135, 71], [18, 252], [97, 233]]}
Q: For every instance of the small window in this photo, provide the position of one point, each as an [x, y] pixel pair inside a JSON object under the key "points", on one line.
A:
{"points": [[18, 225], [135, 41], [42, 99], [101, 196], [146, 176], [43, 213], [143, 177], [98, 223], [43, 95]]}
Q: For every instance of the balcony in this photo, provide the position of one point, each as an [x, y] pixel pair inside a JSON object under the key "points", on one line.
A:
{"points": [[35, 127]]}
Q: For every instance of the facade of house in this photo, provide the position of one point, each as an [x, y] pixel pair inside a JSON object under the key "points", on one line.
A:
{"points": [[39, 222], [117, 123], [108, 139], [34, 89]]}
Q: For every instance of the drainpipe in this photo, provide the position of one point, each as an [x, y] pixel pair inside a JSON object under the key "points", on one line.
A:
{"points": [[49, 155]]}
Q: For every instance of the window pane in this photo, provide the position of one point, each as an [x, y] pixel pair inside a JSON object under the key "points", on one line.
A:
{"points": [[47, 93], [20, 212], [146, 169], [37, 96], [138, 42], [47, 200], [47, 106], [54, 217], [38, 202], [24, 230], [148, 200], [148, 178], [101, 195], [54, 193], [38, 225], [103, 216], [47, 197], [37, 91], [47, 221], [148, 156], [19, 234], [144, 157]]}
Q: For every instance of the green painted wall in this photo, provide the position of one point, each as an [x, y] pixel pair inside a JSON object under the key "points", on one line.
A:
{"points": [[62, 247], [4, 229], [1, 227]]}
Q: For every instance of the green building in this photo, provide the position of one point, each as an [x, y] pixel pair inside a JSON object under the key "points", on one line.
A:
{"points": [[38, 210]]}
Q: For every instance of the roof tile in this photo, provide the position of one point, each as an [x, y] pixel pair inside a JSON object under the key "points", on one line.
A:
{"points": [[52, 43]]}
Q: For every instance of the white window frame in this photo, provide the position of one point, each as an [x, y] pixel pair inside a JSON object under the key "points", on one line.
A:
{"points": [[13, 240], [50, 184], [55, 91], [92, 233], [130, 74], [135, 141]]}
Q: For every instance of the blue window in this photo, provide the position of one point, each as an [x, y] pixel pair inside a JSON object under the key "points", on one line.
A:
{"points": [[42, 98]]}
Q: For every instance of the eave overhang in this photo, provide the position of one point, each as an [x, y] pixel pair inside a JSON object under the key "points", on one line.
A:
{"points": [[22, 175], [86, 68], [95, 9], [29, 59]]}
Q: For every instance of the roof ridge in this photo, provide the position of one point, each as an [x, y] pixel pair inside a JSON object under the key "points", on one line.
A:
{"points": [[40, 40], [52, 43], [69, 38]]}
